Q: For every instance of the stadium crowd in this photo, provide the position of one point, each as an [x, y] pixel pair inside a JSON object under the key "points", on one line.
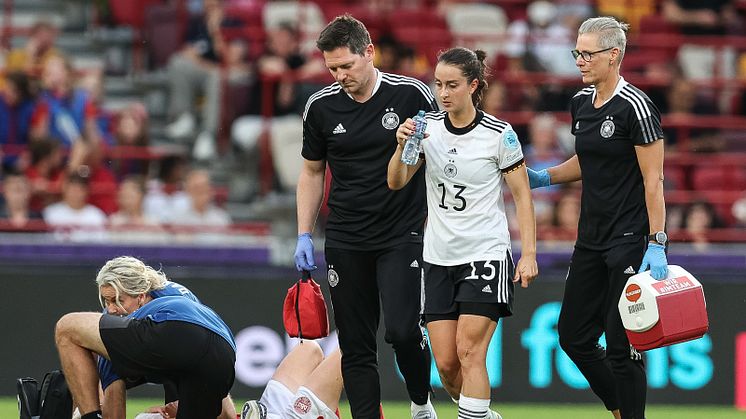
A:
{"points": [[238, 73]]}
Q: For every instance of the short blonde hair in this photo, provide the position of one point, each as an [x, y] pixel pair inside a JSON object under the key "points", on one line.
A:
{"points": [[129, 275]]}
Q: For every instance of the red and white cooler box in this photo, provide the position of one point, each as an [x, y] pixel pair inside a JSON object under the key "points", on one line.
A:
{"points": [[660, 313]]}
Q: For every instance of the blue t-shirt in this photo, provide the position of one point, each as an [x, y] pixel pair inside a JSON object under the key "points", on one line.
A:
{"points": [[180, 309], [172, 289]]}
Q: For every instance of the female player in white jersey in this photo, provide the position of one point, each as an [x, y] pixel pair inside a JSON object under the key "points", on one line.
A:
{"points": [[468, 263]]}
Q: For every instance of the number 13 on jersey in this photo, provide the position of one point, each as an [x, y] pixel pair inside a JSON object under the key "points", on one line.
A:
{"points": [[457, 190]]}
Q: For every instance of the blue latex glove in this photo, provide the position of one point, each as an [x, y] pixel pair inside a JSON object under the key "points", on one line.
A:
{"points": [[538, 179], [655, 258], [304, 253]]}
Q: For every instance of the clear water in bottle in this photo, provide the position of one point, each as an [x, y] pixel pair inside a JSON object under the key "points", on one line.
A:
{"points": [[411, 154]]}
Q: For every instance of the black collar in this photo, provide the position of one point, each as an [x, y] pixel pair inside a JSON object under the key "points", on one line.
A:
{"points": [[463, 130]]}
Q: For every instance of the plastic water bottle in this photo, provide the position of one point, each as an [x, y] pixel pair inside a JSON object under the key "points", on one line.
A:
{"points": [[411, 154]]}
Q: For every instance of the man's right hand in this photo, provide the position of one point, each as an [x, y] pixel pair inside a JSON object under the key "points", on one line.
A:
{"points": [[538, 179], [304, 260]]}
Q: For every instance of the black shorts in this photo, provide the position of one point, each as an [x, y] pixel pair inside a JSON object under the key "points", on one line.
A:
{"points": [[199, 361], [483, 288]]}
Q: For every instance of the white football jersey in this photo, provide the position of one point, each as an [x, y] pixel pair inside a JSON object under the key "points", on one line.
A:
{"points": [[466, 213]]}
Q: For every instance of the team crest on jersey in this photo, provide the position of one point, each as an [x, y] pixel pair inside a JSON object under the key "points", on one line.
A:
{"points": [[333, 278], [608, 127], [450, 170], [510, 139], [390, 119], [302, 405]]}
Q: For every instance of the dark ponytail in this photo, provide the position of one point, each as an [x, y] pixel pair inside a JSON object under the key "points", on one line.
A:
{"points": [[472, 66]]}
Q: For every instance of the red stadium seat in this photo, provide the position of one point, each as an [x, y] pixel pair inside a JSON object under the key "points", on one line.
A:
{"points": [[656, 24], [722, 178], [250, 26], [131, 12], [428, 41], [164, 32], [416, 18], [374, 21]]}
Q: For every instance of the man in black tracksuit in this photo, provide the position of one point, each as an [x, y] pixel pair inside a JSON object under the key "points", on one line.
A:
{"points": [[373, 235]]}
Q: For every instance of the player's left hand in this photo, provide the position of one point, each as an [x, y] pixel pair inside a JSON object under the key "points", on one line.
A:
{"points": [[167, 411], [655, 259], [526, 271]]}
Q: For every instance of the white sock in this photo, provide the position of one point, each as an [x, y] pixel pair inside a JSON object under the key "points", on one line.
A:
{"points": [[471, 408]]}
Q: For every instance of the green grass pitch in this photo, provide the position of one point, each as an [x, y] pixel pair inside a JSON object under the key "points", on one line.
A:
{"points": [[398, 410]]}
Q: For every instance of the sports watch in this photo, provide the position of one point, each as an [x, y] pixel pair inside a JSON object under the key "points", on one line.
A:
{"points": [[659, 237]]}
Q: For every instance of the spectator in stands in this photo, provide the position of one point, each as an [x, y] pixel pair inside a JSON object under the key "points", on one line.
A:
{"points": [[495, 98], [539, 42], [197, 68], [631, 12], [660, 73], [74, 211], [45, 172], [131, 131], [65, 114], [101, 181], [387, 53], [683, 101], [567, 214], [739, 211], [92, 83], [201, 210], [282, 67], [166, 192], [130, 199], [286, 71], [712, 18], [39, 47], [16, 212], [16, 107], [543, 150], [396, 57], [698, 218]]}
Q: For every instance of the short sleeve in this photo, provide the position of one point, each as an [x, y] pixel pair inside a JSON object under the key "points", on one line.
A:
{"points": [[314, 143], [509, 150], [572, 107], [644, 121]]}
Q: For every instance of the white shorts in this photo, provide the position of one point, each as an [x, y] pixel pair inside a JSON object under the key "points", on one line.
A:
{"points": [[283, 404]]}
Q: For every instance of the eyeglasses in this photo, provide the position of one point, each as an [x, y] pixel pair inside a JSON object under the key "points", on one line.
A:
{"points": [[586, 54]]}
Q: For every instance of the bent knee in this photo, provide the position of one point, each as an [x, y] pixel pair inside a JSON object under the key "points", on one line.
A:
{"points": [[311, 351], [65, 326], [449, 369], [72, 326]]}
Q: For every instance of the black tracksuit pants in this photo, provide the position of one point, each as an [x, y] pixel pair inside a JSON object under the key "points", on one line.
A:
{"points": [[361, 283], [589, 308]]}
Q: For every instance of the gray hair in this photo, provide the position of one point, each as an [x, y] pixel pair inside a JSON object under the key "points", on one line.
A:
{"points": [[130, 276], [611, 33]]}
